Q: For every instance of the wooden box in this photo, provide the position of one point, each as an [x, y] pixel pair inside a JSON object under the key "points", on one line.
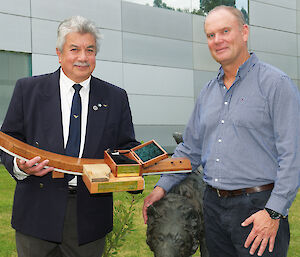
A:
{"points": [[149, 153], [145, 155], [123, 170]]}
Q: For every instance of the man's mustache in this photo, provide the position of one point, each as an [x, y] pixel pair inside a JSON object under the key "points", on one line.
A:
{"points": [[81, 64]]}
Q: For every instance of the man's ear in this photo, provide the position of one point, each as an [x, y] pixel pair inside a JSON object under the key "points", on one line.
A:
{"points": [[245, 31], [58, 54]]}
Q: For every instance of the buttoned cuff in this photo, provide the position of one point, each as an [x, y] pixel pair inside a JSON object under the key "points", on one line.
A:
{"points": [[167, 181], [278, 204], [19, 174]]}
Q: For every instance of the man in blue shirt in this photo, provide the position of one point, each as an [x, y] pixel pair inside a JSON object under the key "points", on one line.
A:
{"points": [[245, 132]]}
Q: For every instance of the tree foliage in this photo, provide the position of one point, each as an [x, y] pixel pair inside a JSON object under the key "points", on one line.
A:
{"points": [[246, 15], [161, 4], [207, 5], [123, 224]]}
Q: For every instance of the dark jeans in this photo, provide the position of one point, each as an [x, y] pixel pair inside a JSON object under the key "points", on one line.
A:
{"points": [[225, 237], [28, 246]]}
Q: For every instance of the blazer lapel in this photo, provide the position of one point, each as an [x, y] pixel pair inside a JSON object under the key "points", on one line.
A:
{"points": [[51, 108], [97, 114]]}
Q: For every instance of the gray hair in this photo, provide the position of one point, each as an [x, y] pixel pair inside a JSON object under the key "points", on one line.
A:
{"points": [[76, 24], [234, 11]]}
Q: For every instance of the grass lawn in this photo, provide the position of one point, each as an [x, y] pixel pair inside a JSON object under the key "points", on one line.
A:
{"points": [[134, 244]]}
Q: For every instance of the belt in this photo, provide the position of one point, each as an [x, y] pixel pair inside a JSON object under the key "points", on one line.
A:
{"points": [[72, 190], [237, 192]]}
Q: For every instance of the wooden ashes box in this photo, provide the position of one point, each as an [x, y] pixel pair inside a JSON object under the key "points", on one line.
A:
{"points": [[125, 169], [143, 155], [149, 153]]}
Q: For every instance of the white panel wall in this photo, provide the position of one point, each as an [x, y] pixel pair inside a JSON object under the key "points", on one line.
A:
{"points": [[163, 110], [274, 17], [157, 51], [291, 4], [44, 36], [269, 40], [15, 33], [274, 24], [110, 46], [111, 72], [160, 22], [154, 80], [19, 7], [198, 29], [202, 58], [42, 64], [104, 13], [298, 37], [298, 21]]}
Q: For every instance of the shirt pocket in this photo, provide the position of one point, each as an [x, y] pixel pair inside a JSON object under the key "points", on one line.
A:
{"points": [[249, 113]]}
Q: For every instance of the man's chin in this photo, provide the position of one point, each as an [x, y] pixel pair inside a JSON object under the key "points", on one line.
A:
{"points": [[220, 58]]}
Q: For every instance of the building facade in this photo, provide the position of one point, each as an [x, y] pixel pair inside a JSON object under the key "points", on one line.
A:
{"points": [[159, 56]]}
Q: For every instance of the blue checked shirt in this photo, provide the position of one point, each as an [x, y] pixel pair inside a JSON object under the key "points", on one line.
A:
{"points": [[248, 135]]}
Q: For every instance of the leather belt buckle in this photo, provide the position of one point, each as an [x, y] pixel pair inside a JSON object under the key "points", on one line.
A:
{"points": [[237, 192]]}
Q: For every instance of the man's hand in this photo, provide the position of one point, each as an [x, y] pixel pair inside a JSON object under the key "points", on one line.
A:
{"points": [[33, 167], [154, 196], [264, 230]]}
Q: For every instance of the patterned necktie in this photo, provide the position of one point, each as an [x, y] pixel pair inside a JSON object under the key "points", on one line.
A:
{"points": [[73, 144]]}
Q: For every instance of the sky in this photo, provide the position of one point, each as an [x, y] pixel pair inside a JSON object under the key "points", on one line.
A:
{"points": [[186, 4], [172, 3], [242, 3]]}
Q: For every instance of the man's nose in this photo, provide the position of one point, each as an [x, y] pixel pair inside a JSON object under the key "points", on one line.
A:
{"points": [[82, 55], [218, 38]]}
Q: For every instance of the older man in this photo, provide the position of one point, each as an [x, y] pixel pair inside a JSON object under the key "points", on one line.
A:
{"points": [[244, 131], [67, 112]]}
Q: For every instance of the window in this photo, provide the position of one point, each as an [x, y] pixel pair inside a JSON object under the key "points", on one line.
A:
{"points": [[200, 7], [12, 67]]}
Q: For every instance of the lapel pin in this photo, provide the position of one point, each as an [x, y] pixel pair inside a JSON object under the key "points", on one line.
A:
{"points": [[96, 107]]}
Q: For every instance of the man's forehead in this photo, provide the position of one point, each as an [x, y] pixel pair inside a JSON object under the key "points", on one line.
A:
{"points": [[78, 35], [74, 38], [220, 18]]}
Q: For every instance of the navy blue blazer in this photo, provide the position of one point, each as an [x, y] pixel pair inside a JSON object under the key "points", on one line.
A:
{"points": [[34, 116]]}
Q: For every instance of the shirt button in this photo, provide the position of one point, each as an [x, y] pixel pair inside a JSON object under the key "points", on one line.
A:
{"points": [[217, 160], [216, 180], [225, 103], [222, 121], [224, 87], [220, 140]]}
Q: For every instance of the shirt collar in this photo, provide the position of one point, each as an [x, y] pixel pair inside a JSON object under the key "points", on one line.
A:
{"points": [[243, 69], [67, 83]]}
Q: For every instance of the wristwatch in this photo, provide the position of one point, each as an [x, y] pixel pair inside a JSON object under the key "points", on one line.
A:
{"points": [[273, 214]]}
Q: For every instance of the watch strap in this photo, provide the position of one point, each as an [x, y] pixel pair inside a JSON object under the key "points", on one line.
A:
{"points": [[273, 214]]}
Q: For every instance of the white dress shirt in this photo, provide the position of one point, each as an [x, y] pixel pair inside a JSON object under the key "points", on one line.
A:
{"points": [[66, 97]]}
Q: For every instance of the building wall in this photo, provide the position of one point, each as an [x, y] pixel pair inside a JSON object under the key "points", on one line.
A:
{"points": [[159, 56]]}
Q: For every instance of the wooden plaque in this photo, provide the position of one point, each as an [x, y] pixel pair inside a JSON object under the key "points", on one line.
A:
{"points": [[114, 184]]}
